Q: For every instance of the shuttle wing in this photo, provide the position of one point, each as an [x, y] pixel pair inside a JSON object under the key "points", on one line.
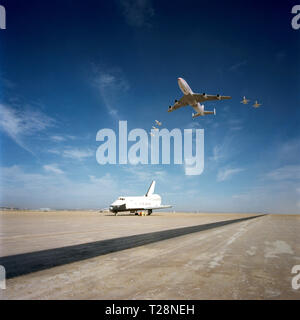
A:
{"points": [[159, 207], [208, 97]]}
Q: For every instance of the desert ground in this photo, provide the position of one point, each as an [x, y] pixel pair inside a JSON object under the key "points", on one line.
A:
{"points": [[92, 255]]}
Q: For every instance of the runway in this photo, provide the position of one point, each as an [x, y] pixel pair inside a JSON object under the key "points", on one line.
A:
{"points": [[84, 255]]}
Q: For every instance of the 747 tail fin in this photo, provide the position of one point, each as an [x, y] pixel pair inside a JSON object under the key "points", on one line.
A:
{"points": [[210, 112]]}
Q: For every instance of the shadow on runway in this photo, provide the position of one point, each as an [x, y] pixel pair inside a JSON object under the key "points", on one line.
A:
{"points": [[25, 263]]}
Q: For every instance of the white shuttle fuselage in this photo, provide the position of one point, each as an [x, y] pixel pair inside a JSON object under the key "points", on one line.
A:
{"points": [[148, 202]]}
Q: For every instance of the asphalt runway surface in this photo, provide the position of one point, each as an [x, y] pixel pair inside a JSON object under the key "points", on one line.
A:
{"points": [[87, 255], [21, 264]]}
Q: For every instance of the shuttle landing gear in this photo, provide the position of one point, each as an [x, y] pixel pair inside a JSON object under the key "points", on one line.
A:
{"points": [[149, 212]]}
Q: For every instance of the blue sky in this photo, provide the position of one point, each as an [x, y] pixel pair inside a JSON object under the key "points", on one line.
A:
{"points": [[71, 68]]}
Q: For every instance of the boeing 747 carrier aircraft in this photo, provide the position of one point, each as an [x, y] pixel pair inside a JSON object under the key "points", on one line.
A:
{"points": [[148, 202], [194, 99]]}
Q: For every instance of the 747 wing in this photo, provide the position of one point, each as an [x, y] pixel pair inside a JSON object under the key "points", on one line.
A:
{"points": [[208, 97], [178, 104]]}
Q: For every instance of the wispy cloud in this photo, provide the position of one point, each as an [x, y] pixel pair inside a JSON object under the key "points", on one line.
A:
{"points": [[235, 124], [237, 65], [289, 151], [290, 172], [6, 82], [111, 85], [104, 180], [237, 128], [137, 13], [73, 153], [227, 173], [78, 154], [271, 197], [18, 124], [194, 125], [277, 190], [226, 149], [54, 151], [145, 173], [60, 138], [45, 189], [52, 168], [217, 153]]}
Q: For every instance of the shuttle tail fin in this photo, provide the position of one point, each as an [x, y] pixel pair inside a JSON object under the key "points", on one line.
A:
{"points": [[151, 189]]}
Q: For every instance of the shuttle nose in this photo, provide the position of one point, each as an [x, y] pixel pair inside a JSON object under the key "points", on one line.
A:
{"points": [[117, 207], [114, 208]]}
